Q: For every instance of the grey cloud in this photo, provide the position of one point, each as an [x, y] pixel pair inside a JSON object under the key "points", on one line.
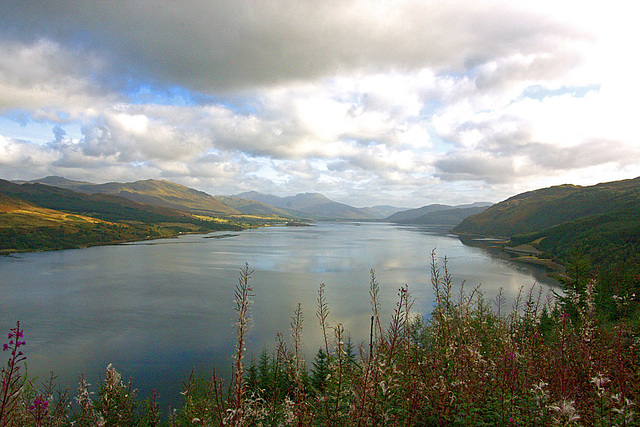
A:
{"points": [[504, 138], [334, 96], [47, 78], [468, 166], [497, 164], [218, 45], [589, 153]]}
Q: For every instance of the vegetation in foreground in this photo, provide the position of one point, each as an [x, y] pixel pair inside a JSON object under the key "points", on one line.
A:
{"points": [[543, 361]]}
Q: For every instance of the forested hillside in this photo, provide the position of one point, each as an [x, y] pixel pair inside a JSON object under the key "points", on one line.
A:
{"points": [[594, 231]]}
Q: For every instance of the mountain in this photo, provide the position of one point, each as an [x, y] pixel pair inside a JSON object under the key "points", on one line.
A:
{"points": [[416, 213], [171, 195], [103, 206], [382, 211], [56, 181], [153, 192], [20, 213], [44, 217], [596, 225], [452, 215], [253, 207], [445, 217], [536, 210], [311, 205]]}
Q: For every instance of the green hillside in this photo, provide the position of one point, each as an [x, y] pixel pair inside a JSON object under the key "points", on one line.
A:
{"points": [[43, 217], [312, 206], [534, 211], [163, 193], [445, 217], [254, 207], [594, 231]]}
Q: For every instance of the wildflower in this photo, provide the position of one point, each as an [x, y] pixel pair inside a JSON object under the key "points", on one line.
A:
{"points": [[39, 408], [567, 413], [599, 381]]}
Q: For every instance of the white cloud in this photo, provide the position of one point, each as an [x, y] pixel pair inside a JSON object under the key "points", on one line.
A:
{"points": [[454, 100]]}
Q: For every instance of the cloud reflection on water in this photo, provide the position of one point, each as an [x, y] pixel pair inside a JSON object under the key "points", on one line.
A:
{"points": [[156, 311]]}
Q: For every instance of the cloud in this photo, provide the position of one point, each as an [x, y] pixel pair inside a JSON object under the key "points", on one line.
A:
{"points": [[16, 155], [223, 45], [49, 81], [405, 100]]}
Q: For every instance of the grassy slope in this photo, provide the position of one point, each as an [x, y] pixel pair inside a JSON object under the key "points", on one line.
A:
{"points": [[20, 213], [253, 207], [166, 194], [41, 217], [596, 227], [448, 217], [537, 210]]}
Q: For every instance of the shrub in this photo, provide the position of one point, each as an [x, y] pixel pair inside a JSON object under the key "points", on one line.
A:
{"points": [[473, 362]]}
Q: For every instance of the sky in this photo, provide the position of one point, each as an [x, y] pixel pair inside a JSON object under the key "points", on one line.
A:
{"points": [[368, 102]]}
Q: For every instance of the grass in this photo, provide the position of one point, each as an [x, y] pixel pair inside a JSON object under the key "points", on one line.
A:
{"points": [[472, 362]]}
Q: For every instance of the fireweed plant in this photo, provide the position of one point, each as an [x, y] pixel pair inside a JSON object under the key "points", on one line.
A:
{"points": [[473, 362]]}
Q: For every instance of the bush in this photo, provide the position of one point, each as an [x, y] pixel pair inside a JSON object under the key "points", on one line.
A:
{"points": [[473, 362]]}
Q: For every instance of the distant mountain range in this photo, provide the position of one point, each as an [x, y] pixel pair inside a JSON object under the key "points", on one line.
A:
{"points": [[437, 214], [600, 221], [153, 192], [318, 207], [309, 206]]}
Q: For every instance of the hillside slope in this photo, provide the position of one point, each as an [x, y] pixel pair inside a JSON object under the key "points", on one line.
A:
{"points": [[594, 230], [449, 215], [537, 210], [311, 205], [253, 207], [445, 217], [44, 217], [102, 206], [15, 212], [158, 193], [410, 214]]}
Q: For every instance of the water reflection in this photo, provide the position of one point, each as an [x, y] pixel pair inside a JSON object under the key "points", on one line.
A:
{"points": [[157, 309]]}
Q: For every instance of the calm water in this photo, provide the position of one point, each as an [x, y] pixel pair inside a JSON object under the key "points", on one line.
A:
{"points": [[157, 309]]}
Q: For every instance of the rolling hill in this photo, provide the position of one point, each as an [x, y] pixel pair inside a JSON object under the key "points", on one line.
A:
{"points": [[154, 192], [311, 205], [16, 212], [103, 206], [175, 196], [445, 217], [43, 217], [537, 210], [253, 207], [437, 214], [596, 225]]}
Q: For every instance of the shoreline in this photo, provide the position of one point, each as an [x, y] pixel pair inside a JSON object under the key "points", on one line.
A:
{"points": [[10, 252], [525, 254]]}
